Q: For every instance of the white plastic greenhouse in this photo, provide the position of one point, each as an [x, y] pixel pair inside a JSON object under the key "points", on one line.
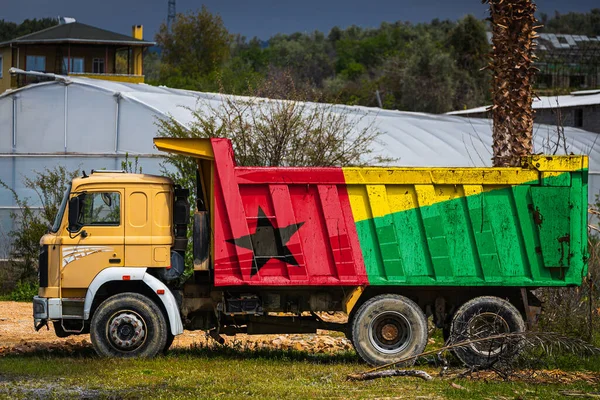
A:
{"points": [[91, 124]]}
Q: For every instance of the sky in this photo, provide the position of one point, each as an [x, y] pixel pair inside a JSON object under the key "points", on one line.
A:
{"points": [[263, 18]]}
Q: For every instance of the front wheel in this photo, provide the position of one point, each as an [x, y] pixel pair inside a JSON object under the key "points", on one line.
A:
{"points": [[389, 328], [128, 325]]}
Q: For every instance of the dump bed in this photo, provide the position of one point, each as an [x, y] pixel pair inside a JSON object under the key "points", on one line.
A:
{"points": [[397, 226]]}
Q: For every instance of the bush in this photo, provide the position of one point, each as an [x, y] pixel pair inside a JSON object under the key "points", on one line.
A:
{"points": [[267, 132], [31, 223], [274, 133], [24, 291], [575, 311]]}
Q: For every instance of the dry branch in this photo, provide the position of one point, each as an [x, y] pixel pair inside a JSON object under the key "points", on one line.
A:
{"points": [[367, 376], [576, 393], [520, 341]]}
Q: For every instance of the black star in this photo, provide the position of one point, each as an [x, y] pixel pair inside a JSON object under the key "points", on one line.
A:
{"points": [[268, 242]]}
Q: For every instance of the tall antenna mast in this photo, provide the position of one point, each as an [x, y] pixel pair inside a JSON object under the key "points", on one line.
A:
{"points": [[171, 14]]}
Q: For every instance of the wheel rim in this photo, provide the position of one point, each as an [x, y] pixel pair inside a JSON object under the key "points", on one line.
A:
{"points": [[126, 330], [484, 325], [390, 332]]}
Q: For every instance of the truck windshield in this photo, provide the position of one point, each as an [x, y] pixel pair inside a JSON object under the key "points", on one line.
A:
{"points": [[61, 210]]}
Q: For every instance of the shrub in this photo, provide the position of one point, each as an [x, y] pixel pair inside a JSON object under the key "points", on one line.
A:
{"points": [[24, 291], [31, 223]]}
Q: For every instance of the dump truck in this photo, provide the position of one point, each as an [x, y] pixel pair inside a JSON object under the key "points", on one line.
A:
{"points": [[272, 250]]}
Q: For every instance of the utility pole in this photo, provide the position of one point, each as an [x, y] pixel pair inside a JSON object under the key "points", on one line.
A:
{"points": [[171, 14]]}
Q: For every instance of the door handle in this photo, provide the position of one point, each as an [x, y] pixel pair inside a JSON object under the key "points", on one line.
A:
{"points": [[114, 260]]}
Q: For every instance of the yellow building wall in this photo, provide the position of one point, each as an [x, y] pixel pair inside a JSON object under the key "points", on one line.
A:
{"points": [[6, 55]]}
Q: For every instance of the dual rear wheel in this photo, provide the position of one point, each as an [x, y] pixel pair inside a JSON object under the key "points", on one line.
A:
{"points": [[390, 328]]}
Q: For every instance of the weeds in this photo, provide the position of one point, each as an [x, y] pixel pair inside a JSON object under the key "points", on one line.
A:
{"points": [[31, 222], [24, 291]]}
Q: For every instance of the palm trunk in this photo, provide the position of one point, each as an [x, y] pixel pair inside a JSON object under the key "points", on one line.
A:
{"points": [[513, 31]]}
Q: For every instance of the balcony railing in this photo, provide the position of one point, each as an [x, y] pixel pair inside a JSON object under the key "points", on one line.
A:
{"points": [[110, 77]]}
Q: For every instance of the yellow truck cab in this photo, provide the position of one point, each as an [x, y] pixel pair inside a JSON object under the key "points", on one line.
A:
{"points": [[124, 227]]}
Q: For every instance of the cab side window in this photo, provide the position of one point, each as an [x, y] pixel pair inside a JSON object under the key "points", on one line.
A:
{"points": [[101, 208]]}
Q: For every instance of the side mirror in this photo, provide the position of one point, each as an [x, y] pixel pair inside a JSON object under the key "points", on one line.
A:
{"points": [[73, 214]]}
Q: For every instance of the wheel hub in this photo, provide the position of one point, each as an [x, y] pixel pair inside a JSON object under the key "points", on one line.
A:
{"points": [[126, 331], [390, 332]]}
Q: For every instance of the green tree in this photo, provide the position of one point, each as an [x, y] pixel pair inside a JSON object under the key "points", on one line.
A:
{"points": [[275, 133], [11, 30], [573, 23], [470, 49], [306, 55], [353, 66], [152, 63], [32, 222], [424, 81], [469, 43], [197, 45], [428, 83]]}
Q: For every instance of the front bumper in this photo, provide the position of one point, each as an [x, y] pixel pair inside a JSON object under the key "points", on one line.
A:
{"points": [[40, 312]]}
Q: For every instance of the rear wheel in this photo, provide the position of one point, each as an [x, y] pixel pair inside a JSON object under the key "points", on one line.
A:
{"points": [[388, 328], [128, 325], [482, 317]]}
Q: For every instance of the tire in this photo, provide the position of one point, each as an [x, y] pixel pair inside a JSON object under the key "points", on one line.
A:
{"points": [[388, 328], [128, 325], [481, 317]]}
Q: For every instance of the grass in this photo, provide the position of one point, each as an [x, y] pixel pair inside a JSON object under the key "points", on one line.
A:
{"points": [[238, 372]]}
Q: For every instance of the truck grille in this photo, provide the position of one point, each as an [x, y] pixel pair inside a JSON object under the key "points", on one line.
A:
{"points": [[43, 266]]}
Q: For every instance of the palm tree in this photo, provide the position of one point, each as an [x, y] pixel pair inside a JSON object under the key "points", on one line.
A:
{"points": [[513, 33]]}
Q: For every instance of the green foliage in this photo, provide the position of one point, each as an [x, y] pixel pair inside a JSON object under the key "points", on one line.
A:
{"points": [[152, 64], [31, 223], [432, 67], [427, 81], [197, 45], [11, 30], [572, 23], [275, 133], [306, 56], [132, 167], [24, 291]]}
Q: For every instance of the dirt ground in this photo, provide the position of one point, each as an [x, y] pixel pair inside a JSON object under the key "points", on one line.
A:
{"points": [[17, 335]]}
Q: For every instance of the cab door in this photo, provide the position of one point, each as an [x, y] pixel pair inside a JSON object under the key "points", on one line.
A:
{"points": [[99, 244]]}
